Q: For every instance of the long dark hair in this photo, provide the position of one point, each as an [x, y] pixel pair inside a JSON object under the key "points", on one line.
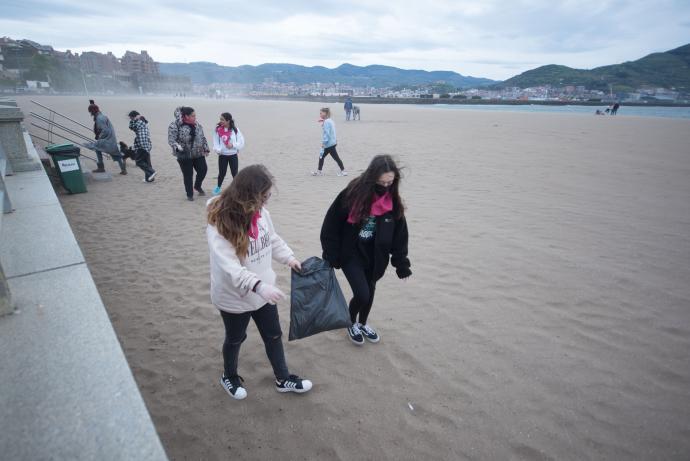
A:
{"points": [[227, 117], [232, 211], [359, 194]]}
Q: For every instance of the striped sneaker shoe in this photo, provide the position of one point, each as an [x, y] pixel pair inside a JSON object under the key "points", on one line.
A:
{"points": [[233, 386], [293, 383]]}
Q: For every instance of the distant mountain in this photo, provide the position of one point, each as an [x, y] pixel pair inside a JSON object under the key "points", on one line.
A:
{"points": [[376, 76], [670, 69]]}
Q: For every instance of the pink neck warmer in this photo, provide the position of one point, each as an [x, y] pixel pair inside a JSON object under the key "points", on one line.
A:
{"points": [[224, 133], [254, 227], [380, 206]]}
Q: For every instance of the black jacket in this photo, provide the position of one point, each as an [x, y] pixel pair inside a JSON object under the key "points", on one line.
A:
{"points": [[340, 240]]}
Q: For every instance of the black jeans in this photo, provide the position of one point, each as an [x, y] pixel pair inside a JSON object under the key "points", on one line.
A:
{"points": [[143, 161], [188, 166], [223, 161], [330, 150], [266, 320], [363, 288]]}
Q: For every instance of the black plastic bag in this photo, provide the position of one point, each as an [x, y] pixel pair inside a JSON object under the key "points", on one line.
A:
{"points": [[316, 302]]}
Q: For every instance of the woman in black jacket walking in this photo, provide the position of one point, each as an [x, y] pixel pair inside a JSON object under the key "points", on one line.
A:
{"points": [[363, 230], [189, 145]]}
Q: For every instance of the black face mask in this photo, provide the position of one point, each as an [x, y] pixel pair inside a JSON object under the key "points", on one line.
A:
{"points": [[380, 190]]}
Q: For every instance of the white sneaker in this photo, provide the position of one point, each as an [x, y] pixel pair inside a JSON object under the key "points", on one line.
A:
{"points": [[317, 173], [233, 386], [294, 384], [342, 173]]}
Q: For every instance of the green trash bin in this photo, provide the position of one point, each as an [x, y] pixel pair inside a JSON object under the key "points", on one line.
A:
{"points": [[66, 160]]}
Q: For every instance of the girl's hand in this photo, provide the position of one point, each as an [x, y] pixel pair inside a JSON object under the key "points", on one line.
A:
{"points": [[295, 265]]}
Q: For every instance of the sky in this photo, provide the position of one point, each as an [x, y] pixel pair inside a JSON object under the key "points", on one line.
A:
{"points": [[489, 38]]}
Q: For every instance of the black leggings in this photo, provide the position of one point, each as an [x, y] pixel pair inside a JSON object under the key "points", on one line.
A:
{"points": [[330, 150], [363, 288], [223, 161], [268, 324], [188, 166]]}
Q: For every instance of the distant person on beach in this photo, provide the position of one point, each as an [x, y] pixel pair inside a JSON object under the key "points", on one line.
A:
{"points": [[142, 144], [328, 143], [363, 229], [348, 108], [614, 110], [242, 244], [106, 140], [189, 145], [227, 143]]}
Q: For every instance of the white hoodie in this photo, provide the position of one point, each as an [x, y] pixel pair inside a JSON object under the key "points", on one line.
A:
{"points": [[231, 279], [236, 139]]}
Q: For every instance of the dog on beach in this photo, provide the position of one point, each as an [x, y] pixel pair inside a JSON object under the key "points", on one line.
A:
{"points": [[355, 113], [127, 152]]}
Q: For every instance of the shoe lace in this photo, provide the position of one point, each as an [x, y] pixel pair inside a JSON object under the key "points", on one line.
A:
{"points": [[355, 330]]}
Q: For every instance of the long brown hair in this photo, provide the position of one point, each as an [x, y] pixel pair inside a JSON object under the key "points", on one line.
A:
{"points": [[360, 192], [232, 211]]}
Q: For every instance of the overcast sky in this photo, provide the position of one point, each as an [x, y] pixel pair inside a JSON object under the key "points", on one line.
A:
{"points": [[488, 38]]}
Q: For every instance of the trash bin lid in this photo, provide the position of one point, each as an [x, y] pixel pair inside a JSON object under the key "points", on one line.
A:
{"points": [[66, 148]]}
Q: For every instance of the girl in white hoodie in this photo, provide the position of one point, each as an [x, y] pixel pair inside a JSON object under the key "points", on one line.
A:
{"points": [[227, 142], [242, 243]]}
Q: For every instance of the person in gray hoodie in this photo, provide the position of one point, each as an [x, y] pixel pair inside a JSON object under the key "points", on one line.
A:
{"points": [[105, 140], [189, 146]]}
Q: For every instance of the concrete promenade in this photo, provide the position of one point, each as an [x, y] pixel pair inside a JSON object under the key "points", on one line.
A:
{"points": [[66, 390]]}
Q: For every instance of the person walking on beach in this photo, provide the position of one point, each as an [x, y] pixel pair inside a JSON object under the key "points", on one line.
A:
{"points": [[106, 140], [242, 243], [142, 144], [189, 145], [227, 143], [363, 230], [614, 110], [348, 108], [328, 143]]}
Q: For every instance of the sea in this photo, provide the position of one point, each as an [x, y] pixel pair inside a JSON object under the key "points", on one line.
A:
{"points": [[636, 111]]}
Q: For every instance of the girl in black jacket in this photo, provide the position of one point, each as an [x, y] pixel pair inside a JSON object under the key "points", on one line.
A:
{"points": [[363, 229]]}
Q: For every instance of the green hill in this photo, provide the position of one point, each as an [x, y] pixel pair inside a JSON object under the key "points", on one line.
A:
{"points": [[670, 69]]}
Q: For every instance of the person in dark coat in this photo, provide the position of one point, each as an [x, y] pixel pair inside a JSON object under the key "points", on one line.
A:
{"points": [[106, 141], [365, 229]]}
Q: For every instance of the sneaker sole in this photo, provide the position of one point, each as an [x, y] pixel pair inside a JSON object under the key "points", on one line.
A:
{"points": [[231, 394], [372, 340], [285, 390]]}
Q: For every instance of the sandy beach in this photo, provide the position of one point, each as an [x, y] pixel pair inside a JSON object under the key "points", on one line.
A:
{"points": [[548, 316]]}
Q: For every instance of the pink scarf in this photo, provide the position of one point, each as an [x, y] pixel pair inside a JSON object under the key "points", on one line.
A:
{"points": [[380, 206], [254, 228], [224, 134]]}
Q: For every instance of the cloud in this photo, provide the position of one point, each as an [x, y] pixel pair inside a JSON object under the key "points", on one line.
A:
{"points": [[490, 38]]}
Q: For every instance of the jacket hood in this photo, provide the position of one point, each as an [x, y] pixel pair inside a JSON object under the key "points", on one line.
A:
{"points": [[178, 115]]}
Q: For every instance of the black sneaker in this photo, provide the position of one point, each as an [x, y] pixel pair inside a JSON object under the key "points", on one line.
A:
{"points": [[200, 191], [369, 333], [293, 384], [355, 334], [233, 386]]}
